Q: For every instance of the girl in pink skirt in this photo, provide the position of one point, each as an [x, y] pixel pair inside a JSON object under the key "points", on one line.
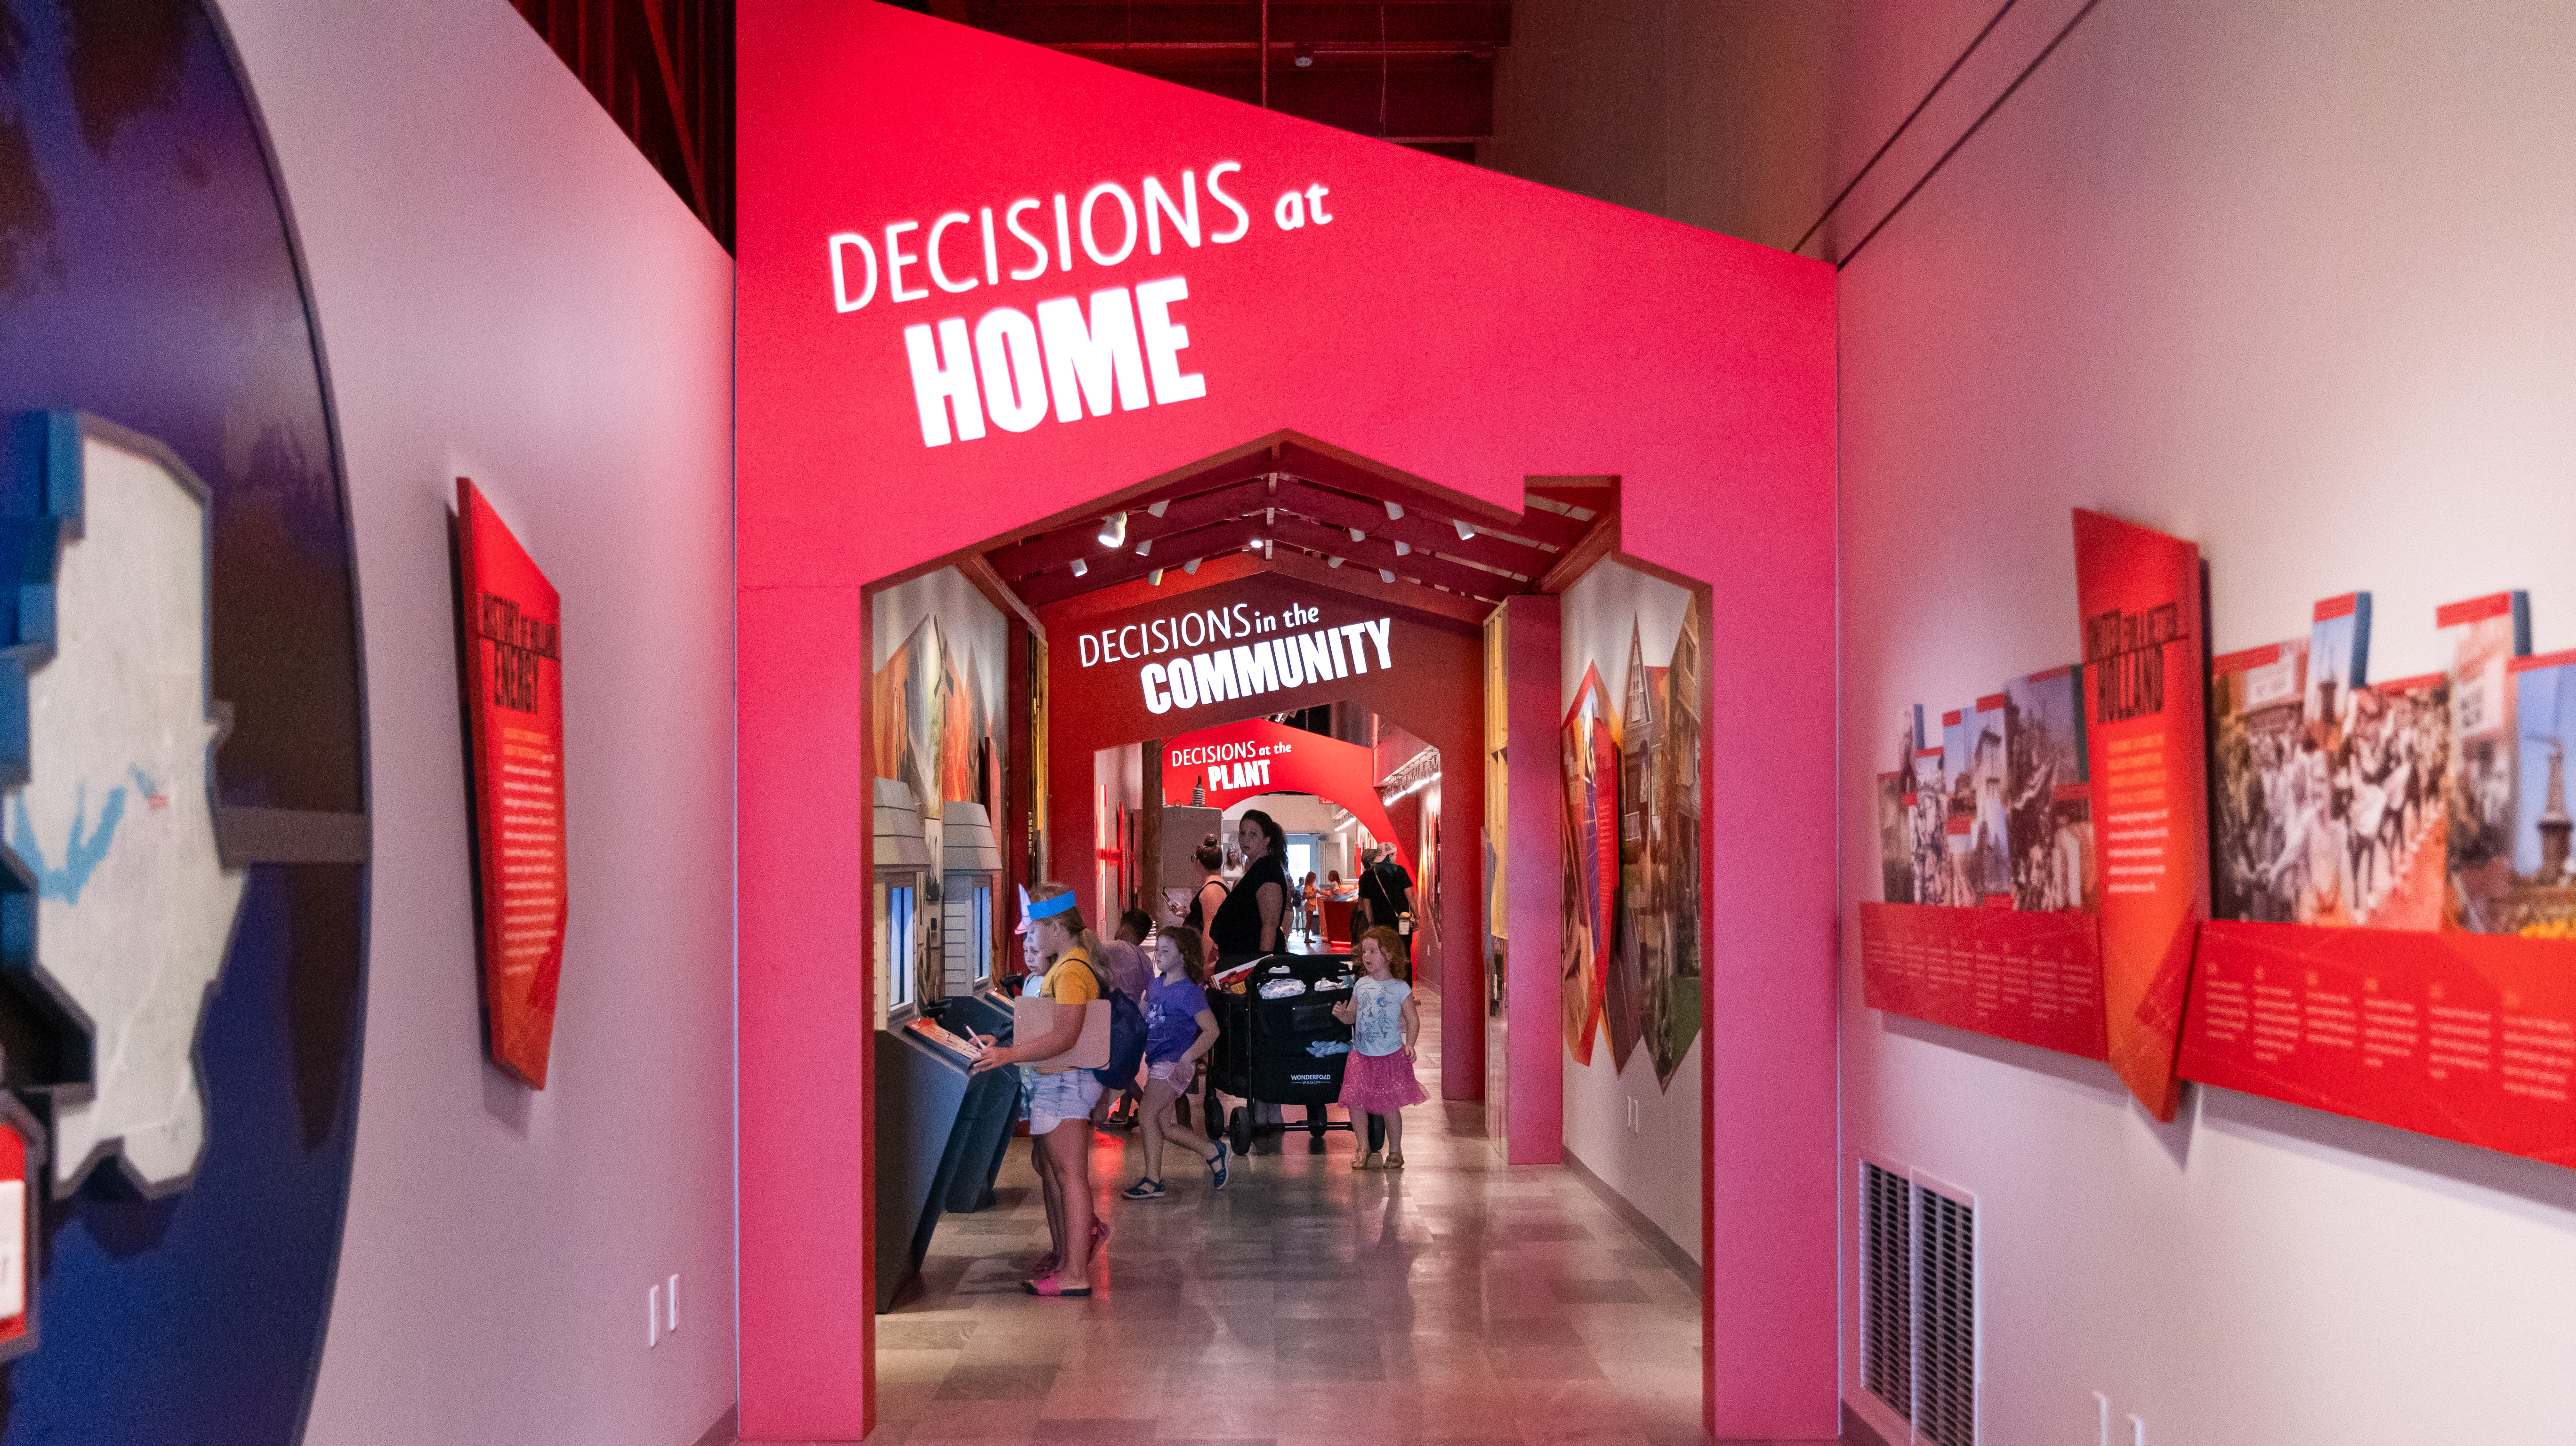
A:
{"points": [[1384, 1023]]}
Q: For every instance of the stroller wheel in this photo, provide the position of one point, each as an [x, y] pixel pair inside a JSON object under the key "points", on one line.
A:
{"points": [[1239, 1130]]}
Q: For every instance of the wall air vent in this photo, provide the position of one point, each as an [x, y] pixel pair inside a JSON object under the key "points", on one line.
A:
{"points": [[1918, 1259]]}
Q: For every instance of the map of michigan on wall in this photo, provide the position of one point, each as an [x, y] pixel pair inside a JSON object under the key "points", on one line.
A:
{"points": [[112, 817]]}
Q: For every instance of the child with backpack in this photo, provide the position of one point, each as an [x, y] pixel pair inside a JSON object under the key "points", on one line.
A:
{"points": [[1060, 1098], [1179, 1030]]}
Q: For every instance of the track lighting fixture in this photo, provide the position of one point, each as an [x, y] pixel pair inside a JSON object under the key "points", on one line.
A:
{"points": [[1466, 533], [1395, 512], [1157, 509], [1303, 57], [1154, 578], [1145, 548], [1383, 575], [1191, 567], [1403, 549], [1358, 536], [1113, 530], [1081, 568]]}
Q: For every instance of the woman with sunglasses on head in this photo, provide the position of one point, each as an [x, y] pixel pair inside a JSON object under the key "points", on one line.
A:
{"points": [[1060, 1098], [1250, 919]]}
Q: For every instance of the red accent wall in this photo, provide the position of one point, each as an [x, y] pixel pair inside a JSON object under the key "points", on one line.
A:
{"points": [[1464, 329]]}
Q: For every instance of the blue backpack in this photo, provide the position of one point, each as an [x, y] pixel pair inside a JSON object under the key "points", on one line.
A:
{"points": [[1126, 1034]]}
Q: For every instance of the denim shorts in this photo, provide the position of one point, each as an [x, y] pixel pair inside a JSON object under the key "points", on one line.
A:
{"points": [[1056, 1098]]}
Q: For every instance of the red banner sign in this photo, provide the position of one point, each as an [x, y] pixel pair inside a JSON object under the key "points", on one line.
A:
{"points": [[514, 671], [2032, 977], [2139, 592], [1257, 756], [2471, 1037]]}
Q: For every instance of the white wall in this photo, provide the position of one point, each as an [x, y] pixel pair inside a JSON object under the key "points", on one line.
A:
{"points": [[1655, 1167], [506, 290], [2290, 280]]}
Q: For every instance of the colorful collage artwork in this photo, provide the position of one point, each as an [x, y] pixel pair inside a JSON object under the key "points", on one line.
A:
{"points": [[1632, 766], [2343, 813], [1591, 853], [1996, 810]]}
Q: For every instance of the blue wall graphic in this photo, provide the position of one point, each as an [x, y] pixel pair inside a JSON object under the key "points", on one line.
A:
{"points": [[148, 276]]}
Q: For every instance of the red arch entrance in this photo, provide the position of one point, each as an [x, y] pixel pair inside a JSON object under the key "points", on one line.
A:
{"points": [[899, 400]]}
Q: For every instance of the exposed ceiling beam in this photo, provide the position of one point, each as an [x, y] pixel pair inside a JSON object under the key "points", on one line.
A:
{"points": [[1422, 530], [1376, 553], [1577, 560], [972, 566], [1420, 599], [1183, 514], [1049, 587]]}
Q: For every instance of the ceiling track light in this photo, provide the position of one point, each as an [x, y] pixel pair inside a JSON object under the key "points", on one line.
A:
{"points": [[1358, 536], [1466, 532], [1383, 575], [1157, 509], [1333, 562], [1302, 56], [1145, 548], [1081, 568], [1154, 578], [1191, 567], [1395, 512], [1113, 531], [1403, 549], [1267, 549]]}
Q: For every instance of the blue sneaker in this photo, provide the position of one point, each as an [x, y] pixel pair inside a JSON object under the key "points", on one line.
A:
{"points": [[1217, 1167]]}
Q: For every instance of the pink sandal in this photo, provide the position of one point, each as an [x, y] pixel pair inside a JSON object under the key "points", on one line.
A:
{"points": [[1047, 1262], [1047, 1285]]}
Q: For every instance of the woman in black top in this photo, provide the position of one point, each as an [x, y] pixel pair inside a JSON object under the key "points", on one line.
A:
{"points": [[1203, 907], [1248, 921]]}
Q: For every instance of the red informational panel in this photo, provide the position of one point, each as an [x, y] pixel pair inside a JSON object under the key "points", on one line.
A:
{"points": [[1256, 756], [2471, 1037], [2139, 592], [514, 670], [2031, 977]]}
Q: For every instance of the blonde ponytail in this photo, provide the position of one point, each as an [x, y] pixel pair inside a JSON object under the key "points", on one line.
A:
{"points": [[1083, 937]]}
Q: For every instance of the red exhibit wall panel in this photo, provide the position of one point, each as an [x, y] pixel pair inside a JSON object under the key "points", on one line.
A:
{"points": [[2140, 596], [2471, 1037], [1458, 328], [2032, 977], [513, 624]]}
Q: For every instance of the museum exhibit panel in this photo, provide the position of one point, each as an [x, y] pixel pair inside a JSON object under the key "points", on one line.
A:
{"points": [[1941, 630]]}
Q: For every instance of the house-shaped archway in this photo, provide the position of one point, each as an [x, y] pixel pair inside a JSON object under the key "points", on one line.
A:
{"points": [[983, 285]]}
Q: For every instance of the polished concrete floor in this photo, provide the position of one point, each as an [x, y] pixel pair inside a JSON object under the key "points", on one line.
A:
{"points": [[1455, 1301]]}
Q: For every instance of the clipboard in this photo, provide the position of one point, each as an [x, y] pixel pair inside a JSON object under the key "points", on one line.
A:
{"points": [[1034, 1017]]}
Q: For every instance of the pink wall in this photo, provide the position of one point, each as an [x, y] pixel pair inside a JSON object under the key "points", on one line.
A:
{"points": [[1548, 336], [507, 291], [1533, 867], [2099, 302]]}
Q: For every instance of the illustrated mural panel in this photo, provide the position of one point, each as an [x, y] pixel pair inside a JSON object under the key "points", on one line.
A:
{"points": [[1633, 962]]}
